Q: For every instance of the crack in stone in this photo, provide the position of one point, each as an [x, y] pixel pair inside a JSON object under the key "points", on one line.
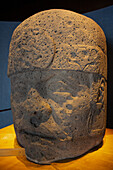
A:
{"points": [[53, 54]]}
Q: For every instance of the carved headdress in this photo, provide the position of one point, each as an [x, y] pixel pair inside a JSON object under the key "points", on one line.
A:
{"points": [[58, 39]]}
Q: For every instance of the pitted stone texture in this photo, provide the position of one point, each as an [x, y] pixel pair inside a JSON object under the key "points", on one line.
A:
{"points": [[58, 71], [61, 114], [53, 36]]}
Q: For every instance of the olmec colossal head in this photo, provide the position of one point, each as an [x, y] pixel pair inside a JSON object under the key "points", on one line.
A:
{"points": [[58, 71]]}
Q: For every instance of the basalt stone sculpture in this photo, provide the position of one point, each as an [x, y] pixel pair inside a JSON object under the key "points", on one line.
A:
{"points": [[58, 71]]}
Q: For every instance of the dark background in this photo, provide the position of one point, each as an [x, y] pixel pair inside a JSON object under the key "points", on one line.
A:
{"points": [[20, 10]]}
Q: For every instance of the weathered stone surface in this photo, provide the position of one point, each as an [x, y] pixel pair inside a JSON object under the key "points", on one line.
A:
{"points": [[58, 39], [58, 71]]}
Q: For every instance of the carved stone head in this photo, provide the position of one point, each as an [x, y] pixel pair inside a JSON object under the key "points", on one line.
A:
{"points": [[58, 71]]}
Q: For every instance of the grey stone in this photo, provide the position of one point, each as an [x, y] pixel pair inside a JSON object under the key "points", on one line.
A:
{"points": [[58, 71]]}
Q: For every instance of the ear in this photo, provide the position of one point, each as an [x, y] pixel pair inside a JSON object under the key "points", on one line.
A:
{"points": [[96, 119], [100, 97]]}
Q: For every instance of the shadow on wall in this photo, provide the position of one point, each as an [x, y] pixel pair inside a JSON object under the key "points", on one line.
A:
{"points": [[110, 84]]}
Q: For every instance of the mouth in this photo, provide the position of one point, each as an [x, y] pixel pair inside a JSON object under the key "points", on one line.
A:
{"points": [[40, 135]]}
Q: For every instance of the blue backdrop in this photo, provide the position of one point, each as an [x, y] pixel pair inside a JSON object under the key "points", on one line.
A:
{"points": [[104, 17]]}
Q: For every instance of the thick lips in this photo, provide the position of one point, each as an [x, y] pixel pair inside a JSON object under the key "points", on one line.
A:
{"points": [[39, 135]]}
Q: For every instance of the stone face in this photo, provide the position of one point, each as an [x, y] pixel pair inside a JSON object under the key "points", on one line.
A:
{"points": [[58, 71]]}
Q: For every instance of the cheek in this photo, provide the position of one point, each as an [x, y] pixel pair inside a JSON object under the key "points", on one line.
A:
{"points": [[17, 113], [16, 109], [19, 93]]}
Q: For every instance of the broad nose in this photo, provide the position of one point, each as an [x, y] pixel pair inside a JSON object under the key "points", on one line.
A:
{"points": [[40, 111], [41, 114], [36, 119]]}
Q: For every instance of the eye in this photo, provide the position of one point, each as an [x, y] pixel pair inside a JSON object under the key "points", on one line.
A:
{"points": [[21, 89], [19, 92], [41, 88]]}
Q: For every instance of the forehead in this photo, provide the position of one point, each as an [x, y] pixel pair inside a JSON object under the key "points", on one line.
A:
{"points": [[72, 76]]}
